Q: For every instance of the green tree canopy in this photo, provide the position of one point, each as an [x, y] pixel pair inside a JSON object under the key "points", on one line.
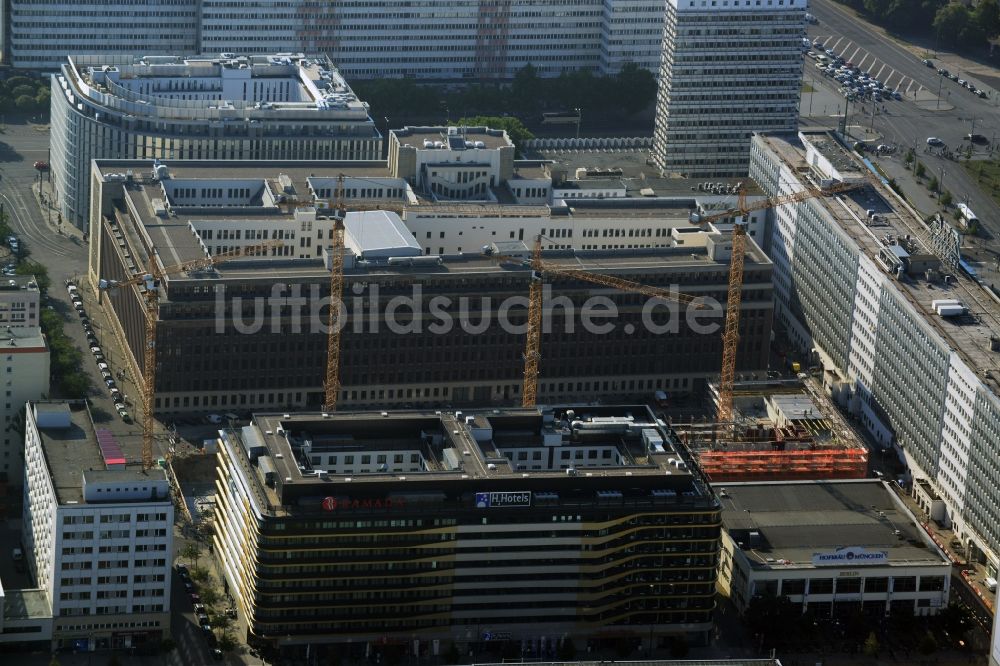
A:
{"points": [[636, 88], [516, 130]]}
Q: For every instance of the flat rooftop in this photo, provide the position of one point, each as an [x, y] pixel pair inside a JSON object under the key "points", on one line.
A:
{"points": [[72, 453], [415, 136], [896, 227], [423, 450], [26, 604], [23, 339], [18, 283], [637, 173], [216, 87], [795, 520], [141, 212]]}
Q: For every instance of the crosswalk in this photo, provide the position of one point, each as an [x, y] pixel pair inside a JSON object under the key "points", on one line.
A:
{"points": [[868, 63]]}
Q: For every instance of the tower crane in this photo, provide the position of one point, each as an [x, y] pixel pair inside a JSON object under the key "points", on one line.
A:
{"points": [[731, 336], [533, 339], [332, 384], [149, 293]]}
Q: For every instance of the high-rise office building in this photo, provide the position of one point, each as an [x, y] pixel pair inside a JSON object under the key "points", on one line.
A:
{"points": [[40, 34], [730, 68], [442, 39], [424, 529]]}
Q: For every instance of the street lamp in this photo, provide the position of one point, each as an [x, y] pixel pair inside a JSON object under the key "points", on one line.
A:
{"points": [[579, 117]]}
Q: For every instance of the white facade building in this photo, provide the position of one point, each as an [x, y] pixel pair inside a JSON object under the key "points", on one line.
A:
{"points": [[41, 34], [442, 39], [730, 68], [834, 548], [861, 287], [25, 365], [97, 534], [19, 302], [283, 107]]}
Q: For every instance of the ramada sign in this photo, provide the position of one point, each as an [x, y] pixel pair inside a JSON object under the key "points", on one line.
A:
{"points": [[337, 504]]}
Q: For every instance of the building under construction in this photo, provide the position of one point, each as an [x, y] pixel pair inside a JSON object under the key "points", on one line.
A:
{"points": [[783, 429]]}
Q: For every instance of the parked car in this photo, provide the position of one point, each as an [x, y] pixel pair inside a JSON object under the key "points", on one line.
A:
{"points": [[189, 586], [195, 598], [206, 627], [181, 569], [103, 366], [96, 350], [217, 654], [125, 416], [928, 63], [199, 608]]}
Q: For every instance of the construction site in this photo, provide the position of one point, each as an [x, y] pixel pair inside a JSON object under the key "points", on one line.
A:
{"points": [[781, 430]]}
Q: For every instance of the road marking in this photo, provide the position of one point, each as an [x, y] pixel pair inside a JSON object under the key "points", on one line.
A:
{"points": [[909, 86], [861, 64], [839, 40], [880, 69], [854, 55]]}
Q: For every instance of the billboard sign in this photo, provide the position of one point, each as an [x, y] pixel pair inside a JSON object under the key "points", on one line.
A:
{"points": [[503, 500], [851, 556]]}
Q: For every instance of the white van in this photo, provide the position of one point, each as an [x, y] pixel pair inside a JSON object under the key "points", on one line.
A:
{"points": [[991, 584]]}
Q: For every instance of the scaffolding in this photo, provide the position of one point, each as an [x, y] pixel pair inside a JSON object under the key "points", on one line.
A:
{"points": [[800, 464]]}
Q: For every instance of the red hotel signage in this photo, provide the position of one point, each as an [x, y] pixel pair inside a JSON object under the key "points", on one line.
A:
{"points": [[334, 504]]}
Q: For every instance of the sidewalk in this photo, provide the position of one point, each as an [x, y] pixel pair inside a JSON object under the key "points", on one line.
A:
{"points": [[44, 195]]}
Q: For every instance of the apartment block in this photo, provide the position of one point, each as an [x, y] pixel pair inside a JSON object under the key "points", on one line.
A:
{"points": [[97, 532], [24, 375]]}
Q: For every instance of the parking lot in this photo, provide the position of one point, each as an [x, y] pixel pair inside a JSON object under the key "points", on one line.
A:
{"points": [[866, 63]]}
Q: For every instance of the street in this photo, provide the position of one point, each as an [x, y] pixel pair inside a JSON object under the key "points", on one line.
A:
{"points": [[908, 123]]}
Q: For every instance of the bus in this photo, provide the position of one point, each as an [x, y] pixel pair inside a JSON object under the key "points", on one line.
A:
{"points": [[968, 220]]}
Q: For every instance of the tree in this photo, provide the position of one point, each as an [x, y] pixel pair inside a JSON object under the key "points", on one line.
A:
{"points": [[199, 574], [955, 619], [191, 552], [636, 88], [209, 596], [932, 184], [945, 198], [987, 17], [921, 170], [526, 90], [928, 644], [25, 102], [908, 156], [38, 270], [678, 647], [43, 98], [567, 650], [220, 621], [516, 130], [23, 90], [871, 645], [227, 643], [950, 22]]}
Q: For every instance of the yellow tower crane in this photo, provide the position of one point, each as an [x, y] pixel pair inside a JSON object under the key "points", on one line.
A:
{"points": [[731, 332], [148, 285], [533, 340]]}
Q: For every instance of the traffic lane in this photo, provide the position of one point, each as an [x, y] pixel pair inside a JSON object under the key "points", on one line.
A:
{"points": [[103, 407], [192, 646]]}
